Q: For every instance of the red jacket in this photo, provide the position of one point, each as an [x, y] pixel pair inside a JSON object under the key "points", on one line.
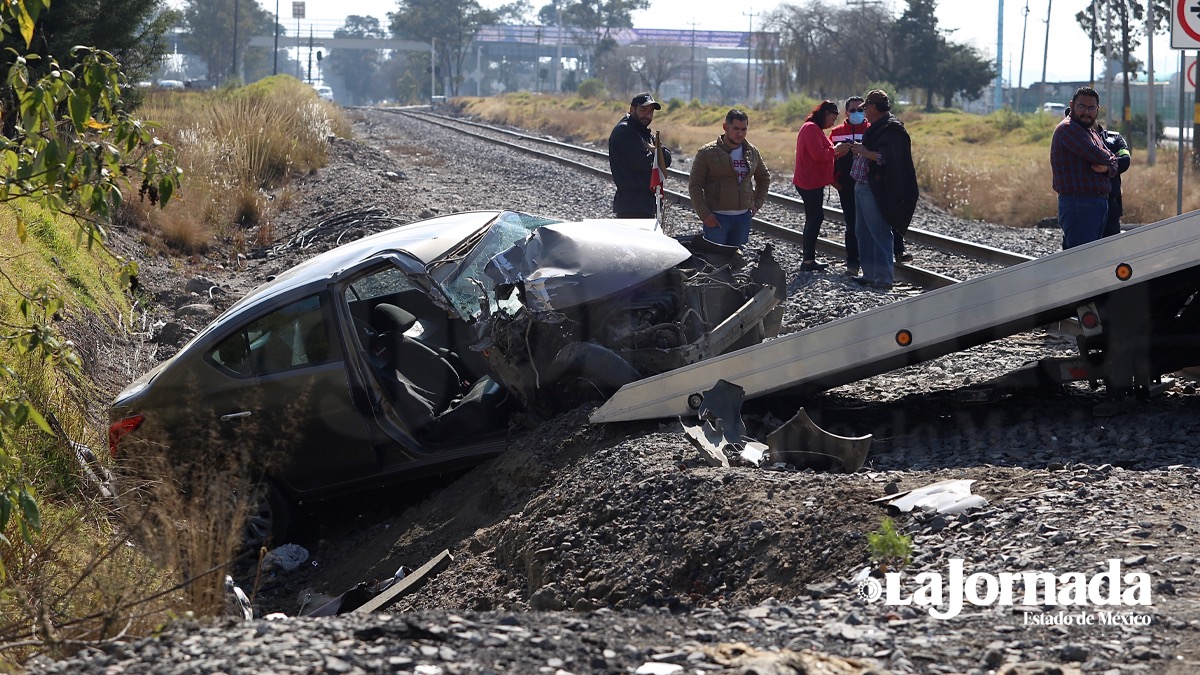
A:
{"points": [[814, 158], [841, 168]]}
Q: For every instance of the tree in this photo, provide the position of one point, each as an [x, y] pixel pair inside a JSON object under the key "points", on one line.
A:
{"points": [[211, 30], [358, 69], [592, 21], [451, 24], [820, 49], [658, 63], [727, 81], [133, 31], [72, 150], [1129, 16], [922, 45], [963, 71]]}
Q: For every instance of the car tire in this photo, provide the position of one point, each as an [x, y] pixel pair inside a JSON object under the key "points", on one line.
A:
{"points": [[269, 519]]}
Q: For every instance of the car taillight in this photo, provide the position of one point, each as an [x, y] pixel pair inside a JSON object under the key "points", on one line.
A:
{"points": [[118, 430]]}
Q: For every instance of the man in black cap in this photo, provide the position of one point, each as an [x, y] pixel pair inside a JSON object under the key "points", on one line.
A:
{"points": [[631, 158]]}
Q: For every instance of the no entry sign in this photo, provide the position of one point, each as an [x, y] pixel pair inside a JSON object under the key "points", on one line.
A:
{"points": [[1185, 24]]}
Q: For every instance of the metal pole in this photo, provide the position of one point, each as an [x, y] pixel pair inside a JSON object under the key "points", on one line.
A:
{"points": [[998, 98], [692, 86], [1092, 54], [236, 5], [275, 66], [1021, 68], [299, 46], [1179, 169], [310, 51], [1046, 49], [432, 70], [749, 53], [1151, 97]]}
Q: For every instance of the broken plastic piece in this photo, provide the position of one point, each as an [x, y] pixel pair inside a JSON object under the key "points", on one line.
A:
{"points": [[802, 443], [720, 434], [947, 497]]}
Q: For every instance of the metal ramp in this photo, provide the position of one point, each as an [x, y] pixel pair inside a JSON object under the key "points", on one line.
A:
{"points": [[1138, 286]]}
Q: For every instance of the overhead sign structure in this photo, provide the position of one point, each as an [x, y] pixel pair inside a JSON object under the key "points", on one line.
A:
{"points": [[1185, 24], [297, 10]]}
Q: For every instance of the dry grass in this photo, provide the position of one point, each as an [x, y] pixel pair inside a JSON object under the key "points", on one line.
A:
{"points": [[235, 147], [994, 167]]}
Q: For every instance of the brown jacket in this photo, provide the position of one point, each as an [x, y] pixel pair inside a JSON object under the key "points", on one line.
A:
{"points": [[713, 186]]}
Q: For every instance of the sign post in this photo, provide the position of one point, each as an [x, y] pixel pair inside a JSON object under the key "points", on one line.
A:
{"points": [[1185, 34]]}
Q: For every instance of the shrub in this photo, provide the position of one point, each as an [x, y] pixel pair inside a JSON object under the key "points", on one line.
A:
{"points": [[889, 547], [794, 110], [592, 88]]}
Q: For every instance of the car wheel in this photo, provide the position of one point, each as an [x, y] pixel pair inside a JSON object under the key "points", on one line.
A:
{"points": [[269, 520]]}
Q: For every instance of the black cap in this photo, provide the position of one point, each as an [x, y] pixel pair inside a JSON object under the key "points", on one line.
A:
{"points": [[645, 98]]}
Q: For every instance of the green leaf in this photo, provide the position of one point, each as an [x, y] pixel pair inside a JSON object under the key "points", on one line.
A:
{"points": [[80, 105], [166, 188], [29, 510], [5, 509]]}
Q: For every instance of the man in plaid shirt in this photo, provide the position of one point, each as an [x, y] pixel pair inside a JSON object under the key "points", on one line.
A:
{"points": [[1083, 169]]}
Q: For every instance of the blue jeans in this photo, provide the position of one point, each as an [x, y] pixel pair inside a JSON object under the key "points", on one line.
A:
{"points": [[874, 238], [1082, 219], [731, 230]]}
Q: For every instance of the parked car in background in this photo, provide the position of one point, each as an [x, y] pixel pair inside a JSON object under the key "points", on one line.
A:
{"points": [[170, 84], [1055, 109], [406, 352], [323, 92]]}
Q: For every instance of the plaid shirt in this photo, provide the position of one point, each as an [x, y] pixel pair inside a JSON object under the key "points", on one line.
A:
{"points": [[1073, 151], [858, 170]]}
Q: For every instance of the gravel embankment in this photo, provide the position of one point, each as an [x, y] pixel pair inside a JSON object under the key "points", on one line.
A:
{"points": [[599, 549]]}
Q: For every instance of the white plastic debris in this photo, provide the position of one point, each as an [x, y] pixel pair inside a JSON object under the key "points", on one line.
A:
{"points": [[240, 603], [649, 668], [947, 496], [287, 558]]}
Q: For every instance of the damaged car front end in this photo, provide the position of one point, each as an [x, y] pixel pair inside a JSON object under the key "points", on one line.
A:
{"points": [[599, 308]]}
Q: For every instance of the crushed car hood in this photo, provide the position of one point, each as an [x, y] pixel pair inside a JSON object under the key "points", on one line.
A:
{"points": [[568, 264]]}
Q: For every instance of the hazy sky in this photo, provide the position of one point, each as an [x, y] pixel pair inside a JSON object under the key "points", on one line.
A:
{"points": [[973, 21]]}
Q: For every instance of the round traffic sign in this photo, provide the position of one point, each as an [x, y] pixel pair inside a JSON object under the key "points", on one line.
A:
{"points": [[1187, 13], [1191, 74]]}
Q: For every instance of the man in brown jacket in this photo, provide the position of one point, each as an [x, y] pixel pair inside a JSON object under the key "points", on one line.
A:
{"points": [[729, 183]]}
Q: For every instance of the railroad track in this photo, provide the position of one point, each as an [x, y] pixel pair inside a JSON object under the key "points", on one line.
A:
{"points": [[595, 161]]}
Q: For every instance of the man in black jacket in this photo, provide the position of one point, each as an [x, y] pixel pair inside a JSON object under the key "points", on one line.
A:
{"points": [[631, 157], [1116, 144], [885, 191]]}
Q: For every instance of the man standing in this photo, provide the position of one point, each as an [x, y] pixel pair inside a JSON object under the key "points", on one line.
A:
{"points": [[729, 183], [1115, 143], [631, 158], [851, 131], [1083, 170], [885, 189]]}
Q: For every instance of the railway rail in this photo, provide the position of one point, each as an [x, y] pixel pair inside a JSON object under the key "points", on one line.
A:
{"points": [[595, 161]]}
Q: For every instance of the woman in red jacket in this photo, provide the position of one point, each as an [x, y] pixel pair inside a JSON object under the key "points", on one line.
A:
{"points": [[814, 170]]}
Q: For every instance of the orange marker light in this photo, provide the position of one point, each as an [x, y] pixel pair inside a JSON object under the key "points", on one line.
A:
{"points": [[1124, 271], [904, 337]]}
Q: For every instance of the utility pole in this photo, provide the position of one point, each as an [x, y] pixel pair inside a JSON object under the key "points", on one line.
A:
{"points": [[1021, 67], [1151, 103], [235, 27], [692, 88], [432, 69], [998, 98], [275, 65], [1046, 49], [310, 51], [749, 53]]}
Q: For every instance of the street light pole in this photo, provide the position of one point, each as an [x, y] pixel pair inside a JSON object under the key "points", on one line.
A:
{"points": [[275, 65], [235, 37], [692, 88], [749, 52]]}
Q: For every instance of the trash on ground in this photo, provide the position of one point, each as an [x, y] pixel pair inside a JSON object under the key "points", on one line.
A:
{"points": [[719, 433], [237, 604], [288, 558], [802, 443], [948, 497]]}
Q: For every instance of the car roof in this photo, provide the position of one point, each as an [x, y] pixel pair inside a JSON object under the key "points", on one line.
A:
{"points": [[426, 239]]}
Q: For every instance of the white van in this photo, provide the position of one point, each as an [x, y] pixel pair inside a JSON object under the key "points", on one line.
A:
{"points": [[1058, 109]]}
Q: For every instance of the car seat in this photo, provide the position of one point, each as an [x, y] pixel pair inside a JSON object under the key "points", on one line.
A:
{"points": [[420, 365]]}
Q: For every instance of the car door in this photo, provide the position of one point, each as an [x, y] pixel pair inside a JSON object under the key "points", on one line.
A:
{"points": [[280, 388]]}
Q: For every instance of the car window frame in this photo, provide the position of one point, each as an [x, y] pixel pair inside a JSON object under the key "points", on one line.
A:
{"points": [[335, 353]]}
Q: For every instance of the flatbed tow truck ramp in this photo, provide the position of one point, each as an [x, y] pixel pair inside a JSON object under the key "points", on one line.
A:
{"points": [[1135, 296]]}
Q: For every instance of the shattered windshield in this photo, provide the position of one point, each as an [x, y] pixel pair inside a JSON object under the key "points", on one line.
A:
{"points": [[467, 283]]}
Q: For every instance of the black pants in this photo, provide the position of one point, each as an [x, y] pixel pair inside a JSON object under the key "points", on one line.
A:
{"points": [[847, 197], [814, 215]]}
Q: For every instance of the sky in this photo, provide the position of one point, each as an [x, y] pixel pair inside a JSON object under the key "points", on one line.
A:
{"points": [[972, 22]]}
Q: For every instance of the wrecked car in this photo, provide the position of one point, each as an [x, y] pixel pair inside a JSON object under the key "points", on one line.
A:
{"points": [[406, 352]]}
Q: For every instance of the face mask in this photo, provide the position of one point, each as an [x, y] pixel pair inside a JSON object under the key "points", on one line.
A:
{"points": [[857, 118]]}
